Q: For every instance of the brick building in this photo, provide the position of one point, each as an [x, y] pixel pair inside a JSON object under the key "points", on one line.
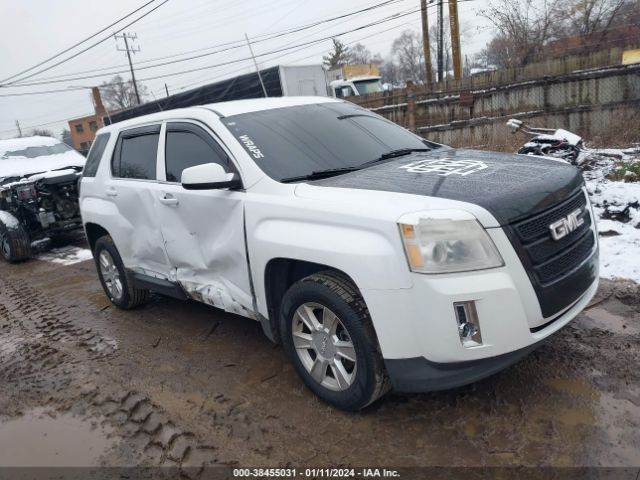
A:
{"points": [[83, 130]]}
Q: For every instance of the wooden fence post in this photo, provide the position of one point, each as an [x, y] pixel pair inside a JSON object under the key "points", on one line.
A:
{"points": [[411, 107]]}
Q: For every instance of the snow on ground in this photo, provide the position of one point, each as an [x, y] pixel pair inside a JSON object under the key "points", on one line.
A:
{"points": [[617, 206], [66, 255]]}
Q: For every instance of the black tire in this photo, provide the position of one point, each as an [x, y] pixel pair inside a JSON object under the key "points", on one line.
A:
{"points": [[15, 244], [131, 297], [336, 292]]}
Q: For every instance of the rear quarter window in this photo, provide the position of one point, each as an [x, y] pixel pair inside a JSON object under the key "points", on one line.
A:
{"points": [[95, 155]]}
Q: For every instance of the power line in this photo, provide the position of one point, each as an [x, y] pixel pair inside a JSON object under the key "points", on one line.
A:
{"points": [[377, 22], [126, 37], [47, 123], [77, 44], [24, 94], [87, 48], [232, 45]]}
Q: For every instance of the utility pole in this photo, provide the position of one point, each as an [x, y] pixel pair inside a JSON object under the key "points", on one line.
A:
{"points": [[126, 37], [455, 39], [440, 40], [264, 90], [425, 41], [18, 127]]}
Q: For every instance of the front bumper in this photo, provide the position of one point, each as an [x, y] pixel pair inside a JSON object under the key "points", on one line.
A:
{"points": [[420, 322], [419, 374], [413, 375]]}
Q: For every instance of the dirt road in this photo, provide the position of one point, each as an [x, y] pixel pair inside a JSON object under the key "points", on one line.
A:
{"points": [[183, 384]]}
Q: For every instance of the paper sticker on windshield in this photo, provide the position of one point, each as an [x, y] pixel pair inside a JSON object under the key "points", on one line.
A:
{"points": [[445, 167], [249, 145]]}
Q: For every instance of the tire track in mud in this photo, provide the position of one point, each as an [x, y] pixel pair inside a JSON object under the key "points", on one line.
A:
{"points": [[43, 354]]}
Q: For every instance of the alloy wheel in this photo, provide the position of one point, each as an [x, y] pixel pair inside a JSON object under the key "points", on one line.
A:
{"points": [[110, 274], [324, 346]]}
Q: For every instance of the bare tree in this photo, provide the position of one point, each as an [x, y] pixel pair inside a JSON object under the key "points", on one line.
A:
{"points": [[408, 56], [527, 25], [42, 132], [65, 136], [338, 56], [118, 93], [500, 52], [359, 54], [586, 17], [390, 72]]}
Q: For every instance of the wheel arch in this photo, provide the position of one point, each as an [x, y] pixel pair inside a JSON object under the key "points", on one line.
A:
{"points": [[93, 232], [279, 274]]}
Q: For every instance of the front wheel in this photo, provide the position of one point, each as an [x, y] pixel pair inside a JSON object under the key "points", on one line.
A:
{"points": [[14, 239], [328, 336]]}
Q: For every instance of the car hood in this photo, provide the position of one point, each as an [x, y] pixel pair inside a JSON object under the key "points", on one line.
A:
{"points": [[509, 186], [22, 167]]}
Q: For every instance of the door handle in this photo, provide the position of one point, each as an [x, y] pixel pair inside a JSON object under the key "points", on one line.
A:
{"points": [[111, 192], [168, 199]]}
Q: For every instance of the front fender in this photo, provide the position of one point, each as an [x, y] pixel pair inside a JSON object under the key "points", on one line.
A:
{"points": [[373, 258]]}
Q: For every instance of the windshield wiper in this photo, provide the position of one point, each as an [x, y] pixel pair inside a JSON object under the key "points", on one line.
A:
{"points": [[401, 152], [318, 174]]}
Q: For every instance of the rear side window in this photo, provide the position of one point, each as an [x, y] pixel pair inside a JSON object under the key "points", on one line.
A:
{"points": [[95, 154], [188, 145], [136, 153]]}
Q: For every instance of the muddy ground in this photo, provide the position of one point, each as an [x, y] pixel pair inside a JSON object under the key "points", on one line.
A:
{"points": [[183, 384]]}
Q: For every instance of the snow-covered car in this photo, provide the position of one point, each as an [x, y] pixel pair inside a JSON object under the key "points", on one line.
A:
{"points": [[39, 178], [377, 258]]}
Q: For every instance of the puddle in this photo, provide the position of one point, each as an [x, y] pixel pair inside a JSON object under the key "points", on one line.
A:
{"points": [[605, 320], [38, 440]]}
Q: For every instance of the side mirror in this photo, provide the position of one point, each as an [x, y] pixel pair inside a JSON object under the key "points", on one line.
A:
{"points": [[209, 176]]}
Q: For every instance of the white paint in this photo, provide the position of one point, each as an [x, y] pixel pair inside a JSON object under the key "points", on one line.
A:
{"points": [[199, 241]]}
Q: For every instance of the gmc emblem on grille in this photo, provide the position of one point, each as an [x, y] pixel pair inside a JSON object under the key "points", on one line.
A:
{"points": [[566, 225]]}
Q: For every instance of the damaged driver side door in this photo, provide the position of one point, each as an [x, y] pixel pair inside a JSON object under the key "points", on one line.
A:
{"points": [[203, 230]]}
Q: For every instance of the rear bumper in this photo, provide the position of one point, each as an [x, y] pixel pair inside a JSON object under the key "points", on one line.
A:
{"points": [[420, 375]]}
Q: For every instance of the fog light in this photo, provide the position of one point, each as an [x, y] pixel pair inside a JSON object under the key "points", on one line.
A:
{"points": [[468, 324]]}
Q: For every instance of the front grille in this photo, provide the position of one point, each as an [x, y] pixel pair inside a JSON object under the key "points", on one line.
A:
{"points": [[552, 259], [538, 226], [566, 262]]}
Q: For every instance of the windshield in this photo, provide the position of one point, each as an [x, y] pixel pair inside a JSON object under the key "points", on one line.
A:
{"points": [[296, 141], [368, 86], [38, 151]]}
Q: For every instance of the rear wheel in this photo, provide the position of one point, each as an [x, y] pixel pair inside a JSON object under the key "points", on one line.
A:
{"points": [[14, 239], [114, 278], [328, 335]]}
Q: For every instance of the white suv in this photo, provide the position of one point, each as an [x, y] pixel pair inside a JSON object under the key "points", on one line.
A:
{"points": [[378, 259]]}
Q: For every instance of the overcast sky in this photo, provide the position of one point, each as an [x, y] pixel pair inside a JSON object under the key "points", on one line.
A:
{"points": [[33, 30]]}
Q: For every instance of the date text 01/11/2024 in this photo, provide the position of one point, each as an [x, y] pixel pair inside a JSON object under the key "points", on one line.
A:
{"points": [[315, 473]]}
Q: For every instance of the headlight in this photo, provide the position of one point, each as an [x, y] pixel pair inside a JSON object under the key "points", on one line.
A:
{"points": [[446, 246]]}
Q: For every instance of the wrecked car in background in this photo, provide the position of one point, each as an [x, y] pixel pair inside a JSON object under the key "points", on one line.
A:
{"points": [[38, 193]]}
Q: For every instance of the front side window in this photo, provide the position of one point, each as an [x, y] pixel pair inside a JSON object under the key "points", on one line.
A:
{"points": [[136, 153], [188, 145], [296, 141]]}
